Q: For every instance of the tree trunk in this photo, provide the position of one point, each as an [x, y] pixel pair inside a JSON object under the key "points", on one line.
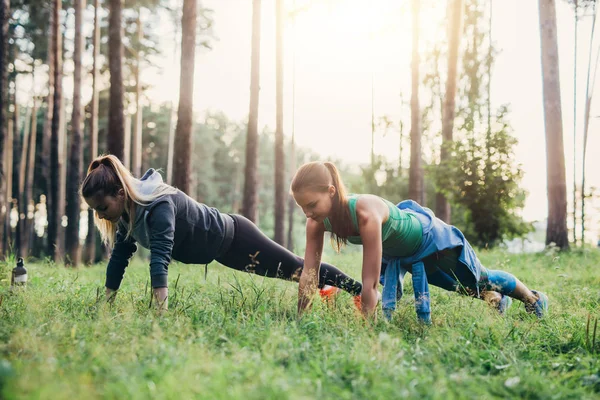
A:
{"points": [[292, 202], [173, 116], [90, 240], [54, 212], [16, 165], [556, 231], [8, 162], [24, 152], [171, 144], [28, 195], [415, 176], [21, 198], [136, 156], [4, 16], [576, 23], [45, 170], [75, 167], [62, 186], [250, 203], [588, 103], [182, 166], [280, 195], [127, 142], [455, 9], [116, 122]]}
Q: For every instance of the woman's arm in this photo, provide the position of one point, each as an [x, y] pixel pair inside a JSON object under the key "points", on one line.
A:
{"points": [[371, 212], [161, 225], [309, 280], [119, 260]]}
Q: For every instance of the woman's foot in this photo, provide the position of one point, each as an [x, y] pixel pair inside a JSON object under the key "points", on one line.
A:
{"points": [[503, 305], [497, 300], [540, 306]]}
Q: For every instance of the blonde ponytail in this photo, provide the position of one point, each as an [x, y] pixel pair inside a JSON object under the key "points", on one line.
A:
{"points": [[107, 175]]}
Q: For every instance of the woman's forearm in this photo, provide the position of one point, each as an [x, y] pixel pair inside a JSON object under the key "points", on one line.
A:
{"points": [[307, 287]]}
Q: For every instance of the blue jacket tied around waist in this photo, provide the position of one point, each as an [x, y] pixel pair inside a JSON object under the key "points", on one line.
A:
{"points": [[437, 236]]}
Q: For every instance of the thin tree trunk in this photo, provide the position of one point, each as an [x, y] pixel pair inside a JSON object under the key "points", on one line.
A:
{"points": [[173, 116], [90, 240], [127, 142], [62, 187], [292, 202], [182, 167], [45, 163], [16, 165], [136, 157], [21, 198], [415, 176], [54, 212], [8, 162], [171, 144], [28, 195], [250, 202], [72, 247], [279, 153], [4, 15], [116, 122], [442, 206], [556, 230], [575, 130], [588, 104], [24, 151]]}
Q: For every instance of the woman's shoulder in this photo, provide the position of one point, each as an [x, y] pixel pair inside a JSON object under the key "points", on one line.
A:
{"points": [[369, 204], [366, 200]]}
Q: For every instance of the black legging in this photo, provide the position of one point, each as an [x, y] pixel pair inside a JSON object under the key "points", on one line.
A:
{"points": [[252, 251]]}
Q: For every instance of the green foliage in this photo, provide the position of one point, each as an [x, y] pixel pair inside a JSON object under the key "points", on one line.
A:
{"points": [[235, 336], [29, 26], [481, 176]]}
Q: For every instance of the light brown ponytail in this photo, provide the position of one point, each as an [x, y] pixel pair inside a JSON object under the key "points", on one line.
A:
{"points": [[318, 176]]}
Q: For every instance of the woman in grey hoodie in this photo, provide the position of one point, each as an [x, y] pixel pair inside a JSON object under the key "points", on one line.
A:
{"points": [[159, 217]]}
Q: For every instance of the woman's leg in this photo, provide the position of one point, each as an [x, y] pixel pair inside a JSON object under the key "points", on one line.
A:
{"points": [[507, 284], [252, 251], [492, 284]]}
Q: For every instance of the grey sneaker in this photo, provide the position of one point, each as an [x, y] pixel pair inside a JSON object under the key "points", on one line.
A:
{"points": [[504, 304], [540, 307]]}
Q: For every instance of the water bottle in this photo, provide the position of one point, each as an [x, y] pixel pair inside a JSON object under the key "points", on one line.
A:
{"points": [[19, 274]]}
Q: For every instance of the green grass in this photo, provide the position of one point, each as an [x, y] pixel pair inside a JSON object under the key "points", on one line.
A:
{"points": [[236, 336]]}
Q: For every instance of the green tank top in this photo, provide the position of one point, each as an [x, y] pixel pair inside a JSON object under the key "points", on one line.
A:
{"points": [[402, 233]]}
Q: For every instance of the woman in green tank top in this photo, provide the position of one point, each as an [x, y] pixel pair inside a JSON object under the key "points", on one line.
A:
{"points": [[385, 231]]}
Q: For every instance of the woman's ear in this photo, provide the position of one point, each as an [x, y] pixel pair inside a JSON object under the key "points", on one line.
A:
{"points": [[332, 191], [121, 193]]}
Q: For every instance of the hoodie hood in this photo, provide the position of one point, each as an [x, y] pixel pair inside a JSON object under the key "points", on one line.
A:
{"points": [[149, 182], [147, 185]]}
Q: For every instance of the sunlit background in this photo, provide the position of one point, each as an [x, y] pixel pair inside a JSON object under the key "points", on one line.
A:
{"points": [[346, 62]]}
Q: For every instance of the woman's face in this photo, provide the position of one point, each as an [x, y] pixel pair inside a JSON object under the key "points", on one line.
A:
{"points": [[108, 207], [315, 204]]}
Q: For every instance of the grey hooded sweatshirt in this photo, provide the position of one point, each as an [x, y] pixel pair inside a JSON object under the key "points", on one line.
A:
{"points": [[172, 226]]}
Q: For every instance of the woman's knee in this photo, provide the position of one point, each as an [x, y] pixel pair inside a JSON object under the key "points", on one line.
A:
{"points": [[500, 281]]}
